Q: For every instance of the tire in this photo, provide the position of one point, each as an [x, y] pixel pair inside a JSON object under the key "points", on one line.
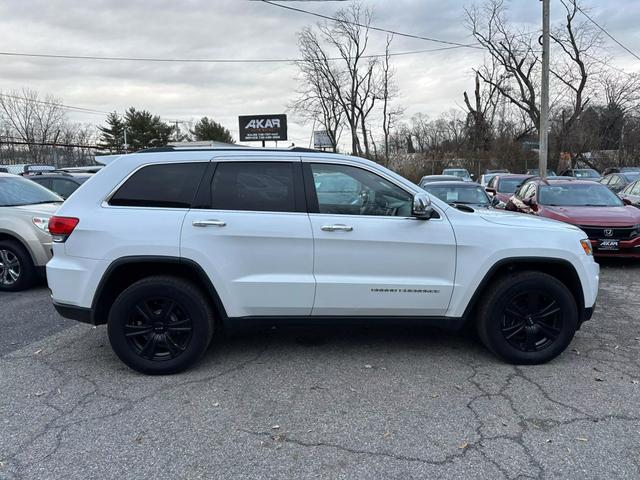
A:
{"points": [[17, 271], [527, 318], [160, 325]]}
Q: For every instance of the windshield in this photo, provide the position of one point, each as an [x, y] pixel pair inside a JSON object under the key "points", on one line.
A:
{"points": [[586, 173], [15, 191], [509, 185], [578, 195], [456, 173], [454, 194]]}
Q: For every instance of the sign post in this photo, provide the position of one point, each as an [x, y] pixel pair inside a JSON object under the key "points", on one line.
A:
{"points": [[256, 128]]}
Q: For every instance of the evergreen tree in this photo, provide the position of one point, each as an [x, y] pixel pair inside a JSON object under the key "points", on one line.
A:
{"points": [[112, 134], [145, 130], [208, 129]]}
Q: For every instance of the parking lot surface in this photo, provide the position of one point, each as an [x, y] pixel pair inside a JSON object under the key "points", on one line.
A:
{"points": [[347, 404]]}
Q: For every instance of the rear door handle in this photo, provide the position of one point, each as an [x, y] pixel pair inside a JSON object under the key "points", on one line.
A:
{"points": [[209, 223], [338, 227]]}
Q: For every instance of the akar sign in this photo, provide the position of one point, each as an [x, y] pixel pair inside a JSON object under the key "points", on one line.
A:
{"points": [[263, 127]]}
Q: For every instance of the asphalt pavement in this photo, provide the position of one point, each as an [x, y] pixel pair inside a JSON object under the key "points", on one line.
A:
{"points": [[346, 404]]}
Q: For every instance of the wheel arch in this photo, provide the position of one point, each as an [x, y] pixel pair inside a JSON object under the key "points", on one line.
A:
{"points": [[127, 270], [4, 235], [558, 268]]}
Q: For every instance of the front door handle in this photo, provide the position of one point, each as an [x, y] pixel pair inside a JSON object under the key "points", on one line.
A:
{"points": [[339, 227], [209, 223]]}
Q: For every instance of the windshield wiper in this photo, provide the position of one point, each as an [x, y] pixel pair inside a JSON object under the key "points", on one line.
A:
{"points": [[45, 201]]}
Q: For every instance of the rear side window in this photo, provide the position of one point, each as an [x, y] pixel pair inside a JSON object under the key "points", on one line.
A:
{"points": [[169, 186], [254, 186]]}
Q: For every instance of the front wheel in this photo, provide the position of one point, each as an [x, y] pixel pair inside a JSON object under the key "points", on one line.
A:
{"points": [[16, 267], [528, 318], [160, 325]]}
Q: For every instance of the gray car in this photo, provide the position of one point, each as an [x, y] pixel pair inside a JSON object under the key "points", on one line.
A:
{"points": [[25, 243], [631, 194]]}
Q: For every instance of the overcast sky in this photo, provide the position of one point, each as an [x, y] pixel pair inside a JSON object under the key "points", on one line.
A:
{"points": [[239, 29]]}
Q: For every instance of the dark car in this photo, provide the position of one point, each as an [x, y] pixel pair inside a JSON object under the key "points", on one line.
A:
{"points": [[620, 170], [617, 181], [582, 174], [64, 184], [503, 186], [439, 178], [612, 226], [631, 194], [535, 172], [461, 193]]}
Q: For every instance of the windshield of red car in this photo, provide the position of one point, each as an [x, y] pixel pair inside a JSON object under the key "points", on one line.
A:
{"points": [[509, 185], [578, 195], [16, 191]]}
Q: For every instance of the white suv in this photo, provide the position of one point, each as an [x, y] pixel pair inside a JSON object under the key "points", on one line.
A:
{"points": [[169, 246]]}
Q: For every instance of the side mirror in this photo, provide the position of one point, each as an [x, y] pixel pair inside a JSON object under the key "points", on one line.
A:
{"points": [[422, 206], [626, 201], [495, 201]]}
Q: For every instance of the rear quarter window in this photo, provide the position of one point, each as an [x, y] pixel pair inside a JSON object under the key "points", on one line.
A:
{"points": [[164, 186]]}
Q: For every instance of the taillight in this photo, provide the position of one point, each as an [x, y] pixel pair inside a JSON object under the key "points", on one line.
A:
{"points": [[61, 227]]}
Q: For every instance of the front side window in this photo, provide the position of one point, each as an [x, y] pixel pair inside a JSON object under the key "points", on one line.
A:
{"points": [[171, 185], [17, 191], [346, 190], [254, 186]]}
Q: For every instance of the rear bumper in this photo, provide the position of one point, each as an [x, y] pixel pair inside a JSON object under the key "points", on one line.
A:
{"points": [[72, 312]]}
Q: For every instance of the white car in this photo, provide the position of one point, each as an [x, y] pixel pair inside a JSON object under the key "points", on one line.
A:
{"points": [[168, 247]]}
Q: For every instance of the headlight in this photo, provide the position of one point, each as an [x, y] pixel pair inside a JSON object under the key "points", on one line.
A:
{"points": [[42, 223], [586, 246]]}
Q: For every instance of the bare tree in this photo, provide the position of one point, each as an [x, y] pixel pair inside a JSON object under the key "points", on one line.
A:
{"points": [[32, 120], [353, 82]]}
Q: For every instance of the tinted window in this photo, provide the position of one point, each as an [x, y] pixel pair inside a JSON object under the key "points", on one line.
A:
{"points": [[345, 190], [254, 186], [509, 185], [63, 187], [16, 191], [171, 186]]}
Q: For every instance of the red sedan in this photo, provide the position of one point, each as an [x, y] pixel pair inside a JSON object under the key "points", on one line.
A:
{"points": [[612, 226], [504, 185]]}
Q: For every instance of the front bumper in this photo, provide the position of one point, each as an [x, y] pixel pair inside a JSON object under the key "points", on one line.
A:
{"points": [[627, 249]]}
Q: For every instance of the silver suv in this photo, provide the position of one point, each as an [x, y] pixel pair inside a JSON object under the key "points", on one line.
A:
{"points": [[25, 242]]}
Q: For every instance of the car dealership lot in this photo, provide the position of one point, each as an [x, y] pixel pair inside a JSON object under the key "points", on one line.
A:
{"points": [[347, 404]]}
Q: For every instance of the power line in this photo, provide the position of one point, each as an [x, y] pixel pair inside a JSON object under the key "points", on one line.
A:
{"points": [[61, 105], [378, 29], [204, 60], [607, 33]]}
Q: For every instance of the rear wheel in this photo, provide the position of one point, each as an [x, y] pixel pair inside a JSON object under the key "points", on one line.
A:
{"points": [[160, 325], [528, 318], [17, 271]]}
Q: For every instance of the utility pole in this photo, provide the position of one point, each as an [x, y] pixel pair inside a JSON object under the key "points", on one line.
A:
{"points": [[544, 95]]}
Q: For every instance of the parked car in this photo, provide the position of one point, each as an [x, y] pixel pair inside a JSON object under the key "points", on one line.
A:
{"points": [[631, 194], [88, 169], [25, 168], [193, 249], [582, 174], [64, 184], [620, 170], [497, 170], [535, 172], [504, 186], [612, 226], [461, 193], [438, 178], [486, 178], [617, 181], [462, 173], [25, 243]]}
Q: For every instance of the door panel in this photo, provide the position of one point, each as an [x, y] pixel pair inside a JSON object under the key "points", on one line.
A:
{"points": [[380, 262], [261, 262]]}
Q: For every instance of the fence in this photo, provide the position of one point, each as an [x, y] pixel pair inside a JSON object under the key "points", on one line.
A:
{"points": [[56, 155]]}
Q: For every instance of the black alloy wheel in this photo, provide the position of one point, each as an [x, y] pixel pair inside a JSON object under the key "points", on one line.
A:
{"points": [[531, 322], [527, 317], [161, 325], [158, 329]]}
